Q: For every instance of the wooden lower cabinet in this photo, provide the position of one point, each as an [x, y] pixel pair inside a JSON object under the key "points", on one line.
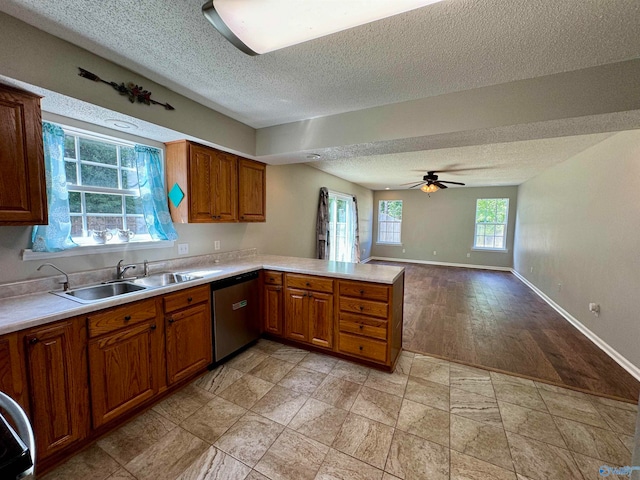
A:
{"points": [[122, 370], [13, 379], [273, 303], [362, 320], [188, 333], [58, 385]]}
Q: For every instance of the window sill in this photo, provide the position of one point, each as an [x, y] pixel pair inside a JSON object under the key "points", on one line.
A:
{"points": [[497, 250], [28, 254], [389, 244]]}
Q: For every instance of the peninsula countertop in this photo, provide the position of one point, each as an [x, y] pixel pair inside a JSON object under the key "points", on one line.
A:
{"points": [[27, 311]]}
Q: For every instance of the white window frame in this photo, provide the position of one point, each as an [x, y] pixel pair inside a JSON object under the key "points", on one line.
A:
{"points": [[399, 222], [505, 226]]}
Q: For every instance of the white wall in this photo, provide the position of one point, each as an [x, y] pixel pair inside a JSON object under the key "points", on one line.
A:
{"points": [[578, 225], [444, 222]]}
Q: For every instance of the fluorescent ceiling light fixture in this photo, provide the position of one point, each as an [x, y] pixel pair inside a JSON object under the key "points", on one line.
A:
{"points": [[261, 26]]}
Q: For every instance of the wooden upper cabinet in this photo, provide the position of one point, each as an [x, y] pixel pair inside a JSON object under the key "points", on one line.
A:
{"points": [[23, 193], [218, 186], [251, 190], [58, 384]]}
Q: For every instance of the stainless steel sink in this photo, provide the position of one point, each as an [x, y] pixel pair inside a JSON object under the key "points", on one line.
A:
{"points": [[100, 292], [164, 279]]}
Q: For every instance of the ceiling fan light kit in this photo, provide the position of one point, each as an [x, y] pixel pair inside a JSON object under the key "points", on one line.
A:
{"points": [[430, 188], [261, 26]]}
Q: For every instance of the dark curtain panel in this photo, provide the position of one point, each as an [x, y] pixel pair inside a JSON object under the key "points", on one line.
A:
{"points": [[356, 243], [322, 225]]}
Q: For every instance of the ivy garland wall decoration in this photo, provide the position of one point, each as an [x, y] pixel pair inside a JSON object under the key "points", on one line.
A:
{"points": [[131, 90]]}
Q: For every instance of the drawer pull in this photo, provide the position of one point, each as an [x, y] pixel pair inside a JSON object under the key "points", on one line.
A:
{"points": [[271, 279], [361, 307], [190, 299], [361, 292], [308, 284], [361, 347], [127, 318], [34, 340], [361, 327]]}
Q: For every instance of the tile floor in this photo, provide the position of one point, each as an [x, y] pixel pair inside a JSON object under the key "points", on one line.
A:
{"points": [[277, 412]]}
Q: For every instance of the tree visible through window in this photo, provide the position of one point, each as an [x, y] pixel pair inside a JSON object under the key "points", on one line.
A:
{"points": [[103, 187], [389, 221], [491, 223]]}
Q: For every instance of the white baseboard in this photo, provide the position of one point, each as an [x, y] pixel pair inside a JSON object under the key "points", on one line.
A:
{"points": [[601, 344], [443, 264]]}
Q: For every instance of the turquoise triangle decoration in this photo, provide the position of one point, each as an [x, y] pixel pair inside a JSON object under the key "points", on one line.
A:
{"points": [[176, 195]]}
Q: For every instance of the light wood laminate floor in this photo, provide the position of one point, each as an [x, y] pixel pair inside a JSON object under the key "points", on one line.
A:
{"points": [[492, 320]]}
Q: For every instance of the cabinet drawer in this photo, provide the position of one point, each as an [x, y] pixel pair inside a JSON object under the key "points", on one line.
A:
{"points": [[367, 326], [362, 347], [306, 282], [186, 298], [368, 291], [364, 307], [119, 317], [272, 278]]}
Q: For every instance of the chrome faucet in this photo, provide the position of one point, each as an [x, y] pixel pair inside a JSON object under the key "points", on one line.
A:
{"points": [[65, 284], [121, 269], [146, 268]]}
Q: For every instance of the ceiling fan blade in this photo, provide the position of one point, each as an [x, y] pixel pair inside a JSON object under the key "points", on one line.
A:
{"points": [[403, 184], [454, 183], [417, 185], [440, 185]]}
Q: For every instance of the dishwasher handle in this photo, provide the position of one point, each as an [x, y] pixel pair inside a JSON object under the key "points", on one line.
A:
{"points": [[25, 432]]}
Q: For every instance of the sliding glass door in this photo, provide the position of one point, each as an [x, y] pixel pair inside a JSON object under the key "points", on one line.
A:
{"points": [[342, 227]]}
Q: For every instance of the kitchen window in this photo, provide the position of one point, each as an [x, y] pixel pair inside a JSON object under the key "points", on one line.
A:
{"points": [[103, 189], [491, 224], [389, 222]]}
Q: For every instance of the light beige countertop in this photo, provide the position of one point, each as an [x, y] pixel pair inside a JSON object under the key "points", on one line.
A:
{"points": [[35, 309]]}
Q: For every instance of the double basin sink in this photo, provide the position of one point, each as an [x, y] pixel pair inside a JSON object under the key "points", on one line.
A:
{"points": [[108, 290]]}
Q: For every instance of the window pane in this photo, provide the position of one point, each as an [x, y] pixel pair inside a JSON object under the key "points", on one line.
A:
{"points": [[489, 242], [93, 151], [127, 157], [72, 175], [69, 146], [96, 176], [76, 227], [500, 230], [133, 204], [129, 179], [104, 223], [136, 224], [99, 203], [479, 241], [75, 206], [479, 229], [499, 242], [490, 230]]}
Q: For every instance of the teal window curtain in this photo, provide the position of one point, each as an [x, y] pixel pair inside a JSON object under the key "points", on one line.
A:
{"points": [[56, 236], [152, 192]]}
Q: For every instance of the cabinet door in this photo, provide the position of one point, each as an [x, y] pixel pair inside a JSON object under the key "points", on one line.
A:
{"points": [[121, 371], [321, 319], [57, 367], [202, 166], [225, 186], [23, 196], [12, 372], [296, 311], [273, 309], [189, 342], [251, 190]]}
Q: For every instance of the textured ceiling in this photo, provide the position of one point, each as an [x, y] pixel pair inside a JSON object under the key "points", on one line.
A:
{"points": [[451, 46]]}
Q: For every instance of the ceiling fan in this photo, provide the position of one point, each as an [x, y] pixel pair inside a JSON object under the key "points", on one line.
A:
{"points": [[430, 183]]}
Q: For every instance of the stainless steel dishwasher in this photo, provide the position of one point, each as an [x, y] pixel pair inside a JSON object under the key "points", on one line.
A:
{"points": [[236, 314]]}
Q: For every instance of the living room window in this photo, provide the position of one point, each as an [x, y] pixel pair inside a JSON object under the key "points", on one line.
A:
{"points": [[390, 222], [491, 223], [104, 195]]}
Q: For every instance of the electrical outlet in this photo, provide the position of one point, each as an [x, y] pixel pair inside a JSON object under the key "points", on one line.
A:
{"points": [[216, 245], [404, 250], [595, 309], [434, 252], [559, 287], [468, 255], [183, 248], [531, 270]]}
